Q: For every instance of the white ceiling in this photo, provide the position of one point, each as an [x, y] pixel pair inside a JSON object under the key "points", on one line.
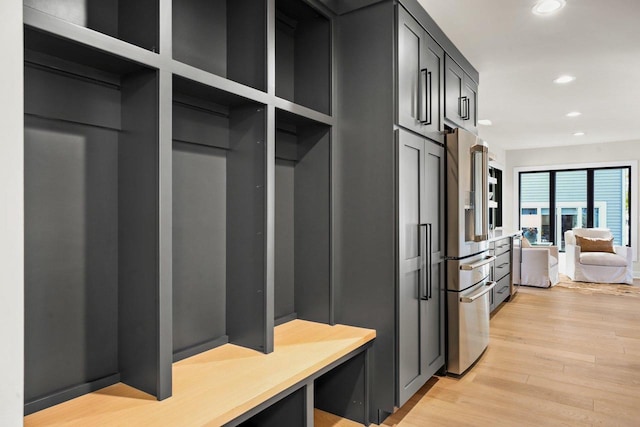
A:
{"points": [[518, 54]]}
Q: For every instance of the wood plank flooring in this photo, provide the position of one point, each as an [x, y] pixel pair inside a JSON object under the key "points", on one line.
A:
{"points": [[556, 357]]}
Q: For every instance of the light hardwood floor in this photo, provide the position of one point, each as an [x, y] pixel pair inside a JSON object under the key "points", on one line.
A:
{"points": [[556, 357]]}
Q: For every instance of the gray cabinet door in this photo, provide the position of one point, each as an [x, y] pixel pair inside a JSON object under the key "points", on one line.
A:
{"points": [[433, 350], [454, 84], [470, 96], [421, 290], [420, 65], [460, 97]]}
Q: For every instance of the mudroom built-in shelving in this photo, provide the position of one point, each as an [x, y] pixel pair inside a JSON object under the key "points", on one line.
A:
{"points": [[302, 219], [219, 210], [158, 164], [91, 212]]}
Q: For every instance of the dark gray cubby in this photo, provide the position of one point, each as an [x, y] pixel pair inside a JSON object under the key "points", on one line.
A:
{"points": [[133, 21], [91, 222], [303, 55], [302, 219], [340, 388], [219, 210], [289, 411], [223, 37]]}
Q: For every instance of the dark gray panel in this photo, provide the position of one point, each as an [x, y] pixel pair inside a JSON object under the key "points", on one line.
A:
{"points": [[200, 125], [200, 348], [313, 64], [64, 96], [69, 393], [76, 53], [287, 144], [99, 15], [138, 233], [285, 48], [312, 225], [345, 6], [199, 244], [342, 392], [364, 203], [71, 254], [284, 239], [246, 210], [138, 22], [290, 411], [303, 55], [247, 35], [200, 34]]}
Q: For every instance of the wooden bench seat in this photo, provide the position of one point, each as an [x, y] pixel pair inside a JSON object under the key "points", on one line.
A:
{"points": [[218, 386]]}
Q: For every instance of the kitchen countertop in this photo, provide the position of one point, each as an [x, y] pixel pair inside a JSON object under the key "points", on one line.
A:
{"points": [[501, 234]]}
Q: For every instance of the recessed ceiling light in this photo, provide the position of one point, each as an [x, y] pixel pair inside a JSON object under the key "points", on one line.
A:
{"points": [[485, 122], [564, 79], [547, 7], [574, 114], [578, 134]]}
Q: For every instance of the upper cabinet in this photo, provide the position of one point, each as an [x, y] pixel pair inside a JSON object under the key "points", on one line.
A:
{"points": [[461, 97], [420, 79]]}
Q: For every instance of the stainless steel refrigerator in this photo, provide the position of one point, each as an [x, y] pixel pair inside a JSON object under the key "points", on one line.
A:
{"points": [[468, 260]]}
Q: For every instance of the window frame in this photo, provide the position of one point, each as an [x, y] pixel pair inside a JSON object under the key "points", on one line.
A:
{"points": [[591, 204]]}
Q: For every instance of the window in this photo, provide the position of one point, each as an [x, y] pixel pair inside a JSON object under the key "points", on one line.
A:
{"points": [[592, 197]]}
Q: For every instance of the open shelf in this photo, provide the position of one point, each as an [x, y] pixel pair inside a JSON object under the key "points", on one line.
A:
{"points": [[303, 55], [223, 37], [218, 219], [133, 21], [289, 411], [91, 222], [302, 219], [495, 188]]}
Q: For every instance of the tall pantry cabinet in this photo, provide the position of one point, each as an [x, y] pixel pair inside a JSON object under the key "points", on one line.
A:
{"points": [[389, 192]]}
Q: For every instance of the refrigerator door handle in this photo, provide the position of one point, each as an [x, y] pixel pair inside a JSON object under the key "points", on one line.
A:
{"points": [[480, 177], [484, 290], [477, 264]]}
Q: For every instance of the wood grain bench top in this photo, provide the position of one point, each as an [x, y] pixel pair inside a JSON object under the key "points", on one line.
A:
{"points": [[215, 387]]}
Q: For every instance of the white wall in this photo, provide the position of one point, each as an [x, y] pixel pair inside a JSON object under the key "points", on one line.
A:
{"points": [[628, 151], [11, 215]]}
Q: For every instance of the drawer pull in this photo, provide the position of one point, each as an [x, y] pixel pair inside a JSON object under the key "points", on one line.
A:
{"points": [[502, 289], [502, 265]]}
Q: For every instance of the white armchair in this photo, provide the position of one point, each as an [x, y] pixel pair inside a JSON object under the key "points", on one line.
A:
{"points": [[539, 266], [597, 267]]}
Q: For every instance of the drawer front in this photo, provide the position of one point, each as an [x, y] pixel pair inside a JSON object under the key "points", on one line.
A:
{"points": [[501, 246], [502, 266], [502, 290]]}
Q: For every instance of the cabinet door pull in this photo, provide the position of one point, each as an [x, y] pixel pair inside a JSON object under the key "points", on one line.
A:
{"points": [[423, 294], [426, 106], [462, 103], [430, 261], [467, 109], [424, 99]]}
